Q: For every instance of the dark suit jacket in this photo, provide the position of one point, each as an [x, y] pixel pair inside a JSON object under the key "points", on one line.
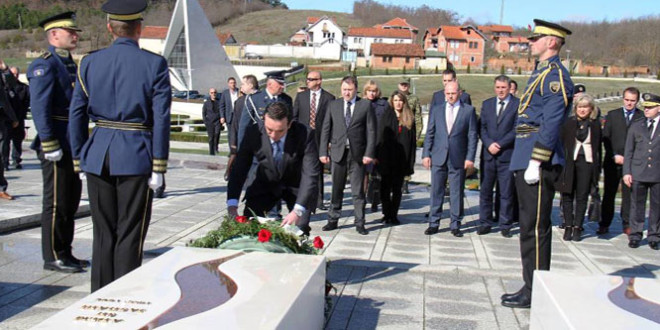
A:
{"points": [[226, 106], [361, 132], [299, 175], [301, 109], [211, 111], [233, 132], [615, 132], [499, 129], [7, 82], [642, 153], [458, 146], [569, 131]]}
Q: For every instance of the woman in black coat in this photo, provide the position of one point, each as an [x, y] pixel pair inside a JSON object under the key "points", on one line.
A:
{"points": [[581, 138], [395, 153], [379, 105]]}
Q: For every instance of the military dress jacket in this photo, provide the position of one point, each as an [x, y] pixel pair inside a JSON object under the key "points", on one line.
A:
{"points": [[541, 114], [51, 78], [126, 91]]}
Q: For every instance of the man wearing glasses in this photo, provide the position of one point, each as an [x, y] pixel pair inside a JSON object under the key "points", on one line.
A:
{"points": [[211, 116]]}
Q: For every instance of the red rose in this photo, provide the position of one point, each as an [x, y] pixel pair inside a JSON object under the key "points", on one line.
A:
{"points": [[264, 235], [241, 219], [318, 242]]}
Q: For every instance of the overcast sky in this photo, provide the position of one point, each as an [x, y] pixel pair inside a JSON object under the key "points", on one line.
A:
{"points": [[516, 12]]}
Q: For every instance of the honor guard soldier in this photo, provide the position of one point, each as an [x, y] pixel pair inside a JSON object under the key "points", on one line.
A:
{"points": [[52, 77], [126, 92], [537, 156]]}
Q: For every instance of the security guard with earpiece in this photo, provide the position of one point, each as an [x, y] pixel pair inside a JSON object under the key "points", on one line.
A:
{"points": [[538, 156], [126, 92], [51, 78]]}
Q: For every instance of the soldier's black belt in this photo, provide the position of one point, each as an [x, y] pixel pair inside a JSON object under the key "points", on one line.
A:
{"points": [[60, 118], [123, 126], [526, 129]]}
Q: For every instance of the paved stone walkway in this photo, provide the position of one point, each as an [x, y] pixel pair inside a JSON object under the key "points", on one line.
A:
{"points": [[393, 278]]}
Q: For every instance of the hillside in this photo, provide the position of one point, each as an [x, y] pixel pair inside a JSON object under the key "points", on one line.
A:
{"points": [[278, 25]]}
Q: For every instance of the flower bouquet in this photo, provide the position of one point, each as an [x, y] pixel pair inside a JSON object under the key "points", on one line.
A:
{"points": [[258, 234]]}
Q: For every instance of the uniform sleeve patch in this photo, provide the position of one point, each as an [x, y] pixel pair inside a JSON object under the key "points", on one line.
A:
{"points": [[38, 72], [554, 86]]}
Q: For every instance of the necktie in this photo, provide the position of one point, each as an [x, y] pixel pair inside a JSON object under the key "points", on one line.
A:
{"points": [[651, 128], [450, 117], [277, 154], [312, 112], [348, 114], [628, 115], [274, 98], [499, 111]]}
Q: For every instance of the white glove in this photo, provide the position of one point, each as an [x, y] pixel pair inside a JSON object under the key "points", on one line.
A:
{"points": [[82, 176], [54, 156], [156, 180], [533, 173]]}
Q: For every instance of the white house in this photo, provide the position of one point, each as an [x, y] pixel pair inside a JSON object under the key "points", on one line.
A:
{"points": [[323, 35], [360, 38]]}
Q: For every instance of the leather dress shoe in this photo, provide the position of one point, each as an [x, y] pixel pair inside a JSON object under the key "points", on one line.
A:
{"points": [[483, 230], [508, 296], [568, 233], [79, 262], [654, 245], [5, 195], [602, 230], [519, 300], [63, 266], [506, 233], [19, 166], [361, 230], [633, 244], [330, 226], [431, 231], [457, 233]]}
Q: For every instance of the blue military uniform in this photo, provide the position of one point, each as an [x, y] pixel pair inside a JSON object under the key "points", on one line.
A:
{"points": [[253, 112], [542, 111], [126, 92], [51, 78]]}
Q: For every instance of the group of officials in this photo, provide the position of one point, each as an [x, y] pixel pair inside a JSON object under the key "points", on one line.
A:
{"points": [[125, 91], [279, 147]]}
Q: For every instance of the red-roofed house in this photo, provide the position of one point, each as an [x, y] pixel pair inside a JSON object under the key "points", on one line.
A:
{"points": [[398, 23], [360, 38], [153, 38], [503, 39], [395, 55], [462, 45], [496, 30], [226, 38], [323, 34]]}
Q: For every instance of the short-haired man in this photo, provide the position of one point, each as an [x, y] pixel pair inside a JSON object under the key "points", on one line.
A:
{"points": [[309, 109], [498, 118], [126, 91], [350, 128], [227, 99], [538, 154], [450, 147], [640, 172], [287, 168], [249, 86], [448, 75], [211, 116], [51, 77], [13, 145], [617, 123]]}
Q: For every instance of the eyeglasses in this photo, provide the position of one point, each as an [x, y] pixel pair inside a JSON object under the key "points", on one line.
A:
{"points": [[313, 79], [213, 93]]}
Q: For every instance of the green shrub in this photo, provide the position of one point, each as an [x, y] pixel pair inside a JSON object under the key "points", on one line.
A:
{"points": [[468, 68]]}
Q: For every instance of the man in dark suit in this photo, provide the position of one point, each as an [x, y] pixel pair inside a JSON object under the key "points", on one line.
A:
{"points": [[227, 99], [640, 172], [287, 168], [438, 98], [309, 109], [615, 131], [498, 118], [249, 86], [449, 150], [13, 146], [212, 121], [350, 127], [8, 119]]}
